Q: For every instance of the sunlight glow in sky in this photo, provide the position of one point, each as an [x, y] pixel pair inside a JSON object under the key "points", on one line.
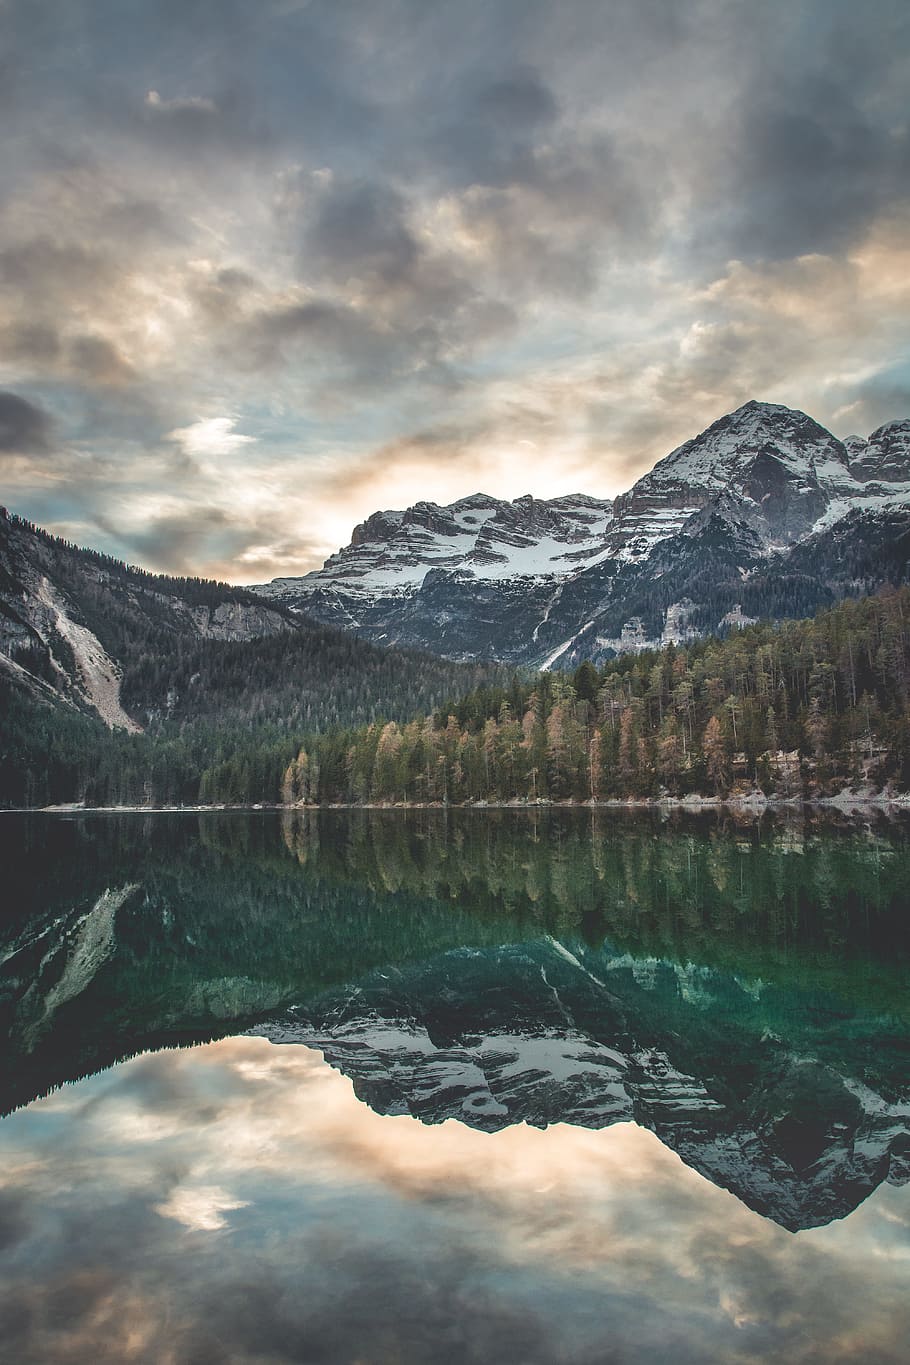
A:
{"points": [[267, 267]]}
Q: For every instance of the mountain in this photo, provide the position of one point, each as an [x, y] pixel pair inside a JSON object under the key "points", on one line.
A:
{"points": [[73, 621], [118, 685], [763, 515]]}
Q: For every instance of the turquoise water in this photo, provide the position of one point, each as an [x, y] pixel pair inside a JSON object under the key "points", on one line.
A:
{"points": [[469, 1087]]}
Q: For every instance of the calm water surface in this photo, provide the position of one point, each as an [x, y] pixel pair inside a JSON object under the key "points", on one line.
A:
{"points": [[469, 1087]]}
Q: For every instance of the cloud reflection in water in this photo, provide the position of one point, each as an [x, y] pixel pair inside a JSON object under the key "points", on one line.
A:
{"points": [[237, 1202]]}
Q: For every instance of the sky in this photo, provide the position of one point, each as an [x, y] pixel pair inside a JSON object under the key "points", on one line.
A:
{"points": [[267, 266]]}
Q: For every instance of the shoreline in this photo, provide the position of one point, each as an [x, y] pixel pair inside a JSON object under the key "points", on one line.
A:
{"points": [[844, 803]]}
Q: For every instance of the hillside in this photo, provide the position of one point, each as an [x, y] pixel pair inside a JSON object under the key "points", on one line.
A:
{"points": [[800, 711], [120, 685]]}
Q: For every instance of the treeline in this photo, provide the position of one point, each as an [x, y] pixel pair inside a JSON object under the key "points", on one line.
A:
{"points": [[66, 553], [794, 711]]}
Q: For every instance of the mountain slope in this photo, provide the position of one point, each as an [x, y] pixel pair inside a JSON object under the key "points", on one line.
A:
{"points": [[140, 649], [764, 514], [221, 684], [81, 621]]}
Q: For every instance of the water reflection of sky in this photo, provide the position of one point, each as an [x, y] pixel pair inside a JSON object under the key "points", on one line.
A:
{"points": [[236, 1202]]}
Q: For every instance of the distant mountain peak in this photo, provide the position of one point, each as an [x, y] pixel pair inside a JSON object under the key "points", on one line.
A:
{"points": [[536, 580]]}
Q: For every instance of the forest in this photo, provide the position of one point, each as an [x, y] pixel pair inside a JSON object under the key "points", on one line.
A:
{"points": [[794, 711]]}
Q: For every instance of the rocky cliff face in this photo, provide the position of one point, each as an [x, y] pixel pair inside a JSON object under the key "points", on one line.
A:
{"points": [[706, 538], [67, 616]]}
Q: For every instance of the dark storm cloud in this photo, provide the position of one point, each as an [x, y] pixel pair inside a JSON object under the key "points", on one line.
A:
{"points": [[880, 399], [14, 1219], [404, 305], [99, 361], [816, 146], [24, 428], [319, 332], [226, 124], [139, 224], [174, 542], [46, 270], [174, 539], [155, 1088], [401, 308], [361, 230], [32, 343], [812, 171], [486, 134]]}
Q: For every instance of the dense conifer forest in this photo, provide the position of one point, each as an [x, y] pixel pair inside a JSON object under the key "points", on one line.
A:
{"points": [[794, 711]]}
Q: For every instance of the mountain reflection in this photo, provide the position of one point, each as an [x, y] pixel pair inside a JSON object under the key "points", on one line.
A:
{"points": [[740, 991], [235, 1203]]}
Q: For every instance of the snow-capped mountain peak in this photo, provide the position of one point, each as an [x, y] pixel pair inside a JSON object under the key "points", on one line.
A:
{"points": [[776, 460], [543, 580]]}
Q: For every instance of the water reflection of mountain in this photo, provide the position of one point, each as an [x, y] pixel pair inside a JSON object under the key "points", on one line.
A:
{"points": [[551, 1031], [742, 992]]}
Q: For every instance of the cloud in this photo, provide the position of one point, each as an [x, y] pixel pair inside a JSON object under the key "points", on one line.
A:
{"points": [[812, 173], [210, 436], [30, 343], [202, 1208], [595, 228], [360, 230], [816, 148], [487, 132], [24, 428], [99, 361], [204, 129], [193, 104], [179, 540], [49, 271]]}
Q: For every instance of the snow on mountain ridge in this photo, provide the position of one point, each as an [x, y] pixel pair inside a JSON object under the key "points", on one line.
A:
{"points": [[488, 537], [764, 453], [719, 454], [543, 581]]}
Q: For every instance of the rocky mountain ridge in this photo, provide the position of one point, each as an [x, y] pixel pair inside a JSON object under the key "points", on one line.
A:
{"points": [[704, 541]]}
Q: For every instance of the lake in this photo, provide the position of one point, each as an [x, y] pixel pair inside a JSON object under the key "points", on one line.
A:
{"points": [[525, 1086]]}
